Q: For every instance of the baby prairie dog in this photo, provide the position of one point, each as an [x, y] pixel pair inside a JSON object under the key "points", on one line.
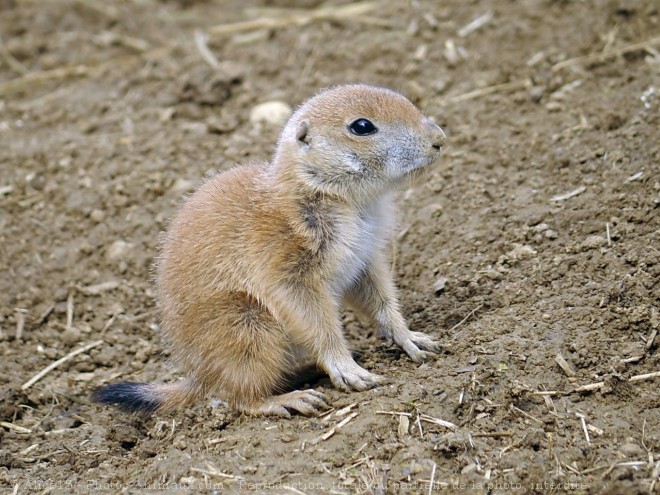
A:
{"points": [[259, 260]]}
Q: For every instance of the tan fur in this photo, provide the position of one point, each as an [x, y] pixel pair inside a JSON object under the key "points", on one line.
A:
{"points": [[257, 262]]}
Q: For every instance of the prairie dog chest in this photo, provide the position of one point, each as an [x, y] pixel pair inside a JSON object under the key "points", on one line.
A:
{"points": [[362, 235]]}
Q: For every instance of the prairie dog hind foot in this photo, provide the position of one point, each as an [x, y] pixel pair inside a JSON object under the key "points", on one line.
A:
{"points": [[306, 402]]}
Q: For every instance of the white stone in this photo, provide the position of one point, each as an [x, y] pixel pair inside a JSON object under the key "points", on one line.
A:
{"points": [[118, 250], [273, 113]]}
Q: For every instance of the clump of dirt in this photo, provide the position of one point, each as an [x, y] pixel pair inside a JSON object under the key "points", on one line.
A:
{"points": [[531, 250]]}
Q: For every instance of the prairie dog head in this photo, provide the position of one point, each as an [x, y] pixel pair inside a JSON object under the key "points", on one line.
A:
{"points": [[357, 141]]}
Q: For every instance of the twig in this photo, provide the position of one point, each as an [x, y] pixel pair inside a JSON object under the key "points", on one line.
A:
{"points": [[346, 420], [108, 324], [432, 479], [334, 429], [623, 464], [345, 410], [609, 236], [475, 24], [214, 472], [527, 415], [204, 51], [362, 448], [423, 417], [655, 476], [549, 393], [466, 318], [559, 359], [646, 376], [598, 468], [366, 458], [55, 364], [595, 386], [326, 414], [571, 469], [100, 7], [477, 93], [650, 340], [419, 427], [69, 311], [584, 426], [325, 436], [31, 79], [549, 404], [569, 195], [293, 490], [494, 434], [137, 44], [11, 61], [20, 322], [352, 11], [34, 78], [589, 387], [594, 429], [16, 428], [96, 289], [438, 421], [44, 316], [600, 56], [404, 426]]}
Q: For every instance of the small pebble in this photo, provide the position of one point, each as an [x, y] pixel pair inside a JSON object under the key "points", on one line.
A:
{"points": [[631, 450], [118, 250], [594, 241], [521, 252], [289, 437], [274, 113], [70, 336], [439, 285], [182, 186], [554, 106], [38, 183], [470, 468], [536, 93], [97, 215], [180, 443]]}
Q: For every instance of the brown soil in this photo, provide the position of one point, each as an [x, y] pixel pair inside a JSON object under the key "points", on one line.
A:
{"points": [[93, 162]]}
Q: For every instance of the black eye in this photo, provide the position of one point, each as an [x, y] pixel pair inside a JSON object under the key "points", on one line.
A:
{"points": [[362, 127]]}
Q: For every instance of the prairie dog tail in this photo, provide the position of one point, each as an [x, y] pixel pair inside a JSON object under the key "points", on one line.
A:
{"points": [[146, 397]]}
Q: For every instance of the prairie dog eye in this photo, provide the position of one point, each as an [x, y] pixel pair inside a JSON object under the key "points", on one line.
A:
{"points": [[362, 127]]}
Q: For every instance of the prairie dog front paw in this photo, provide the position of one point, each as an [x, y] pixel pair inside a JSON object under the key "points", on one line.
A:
{"points": [[419, 346], [347, 375]]}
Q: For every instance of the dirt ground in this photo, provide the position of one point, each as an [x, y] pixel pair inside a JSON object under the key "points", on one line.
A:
{"points": [[531, 250]]}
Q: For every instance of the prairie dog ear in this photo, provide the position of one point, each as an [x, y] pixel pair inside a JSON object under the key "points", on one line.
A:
{"points": [[302, 133]]}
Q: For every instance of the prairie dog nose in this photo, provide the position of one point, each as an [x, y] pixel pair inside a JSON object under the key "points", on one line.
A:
{"points": [[437, 135]]}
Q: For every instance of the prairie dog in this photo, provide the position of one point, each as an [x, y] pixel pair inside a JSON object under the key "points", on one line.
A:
{"points": [[258, 261]]}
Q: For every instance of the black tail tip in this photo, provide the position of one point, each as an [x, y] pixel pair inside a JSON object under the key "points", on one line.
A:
{"points": [[129, 396]]}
